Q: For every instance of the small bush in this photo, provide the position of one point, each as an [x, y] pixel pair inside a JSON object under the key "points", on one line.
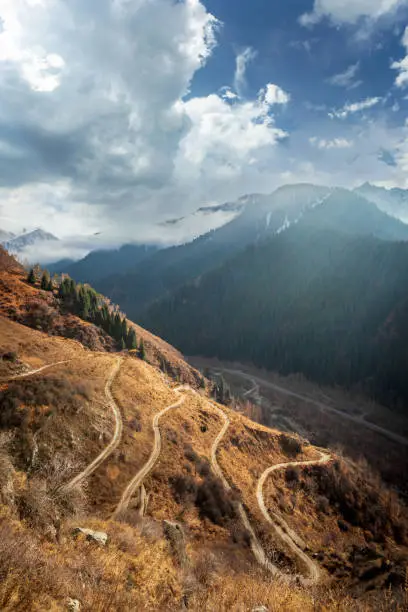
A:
{"points": [[292, 475], [184, 489], [10, 356], [214, 502], [290, 445]]}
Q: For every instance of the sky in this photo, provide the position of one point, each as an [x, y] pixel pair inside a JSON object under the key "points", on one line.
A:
{"points": [[116, 115]]}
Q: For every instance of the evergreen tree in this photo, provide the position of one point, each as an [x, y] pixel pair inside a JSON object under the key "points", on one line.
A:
{"points": [[131, 341], [50, 286], [31, 277], [45, 281], [142, 351], [122, 344]]}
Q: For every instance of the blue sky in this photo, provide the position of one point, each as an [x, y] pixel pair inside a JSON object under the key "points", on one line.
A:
{"points": [[118, 114]]}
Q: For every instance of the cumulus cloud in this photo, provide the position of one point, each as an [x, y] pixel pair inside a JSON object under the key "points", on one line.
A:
{"points": [[402, 65], [349, 11], [242, 60], [347, 78], [335, 143], [98, 127], [355, 107], [273, 94]]}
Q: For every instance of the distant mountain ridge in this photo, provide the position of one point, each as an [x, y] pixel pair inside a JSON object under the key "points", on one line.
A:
{"points": [[17, 244], [262, 218], [392, 201]]}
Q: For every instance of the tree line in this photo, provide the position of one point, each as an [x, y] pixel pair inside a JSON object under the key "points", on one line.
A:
{"points": [[84, 302]]}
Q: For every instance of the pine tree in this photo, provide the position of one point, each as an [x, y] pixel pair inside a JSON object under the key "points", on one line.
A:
{"points": [[142, 351], [131, 341], [31, 277], [122, 345], [50, 286], [45, 281]]}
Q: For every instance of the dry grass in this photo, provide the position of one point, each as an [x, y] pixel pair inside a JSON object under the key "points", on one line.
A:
{"points": [[136, 570]]}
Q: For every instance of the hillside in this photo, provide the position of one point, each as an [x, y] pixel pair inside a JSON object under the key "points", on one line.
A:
{"points": [[120, 490], [44, 310], [322, 303]]}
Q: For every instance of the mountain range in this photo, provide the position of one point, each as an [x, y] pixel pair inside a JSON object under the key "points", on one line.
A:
{"points": [[309, 279], [17, 244]]}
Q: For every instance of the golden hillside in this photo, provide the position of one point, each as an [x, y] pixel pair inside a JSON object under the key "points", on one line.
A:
{"points": [[189, 505]]}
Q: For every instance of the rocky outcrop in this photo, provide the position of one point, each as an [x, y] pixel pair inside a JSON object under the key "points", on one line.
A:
{"points": [[73, 605], [174, 533], [99, 537]]}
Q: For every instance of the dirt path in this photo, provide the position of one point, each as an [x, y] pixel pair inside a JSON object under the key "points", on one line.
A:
{"points": [[280, 526], [266, 383], [256, 546], [38, 370], [116, 435], [137, 481]]}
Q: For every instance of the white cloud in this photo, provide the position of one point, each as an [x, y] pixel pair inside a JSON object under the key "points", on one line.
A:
{"points": [[355, 107], [223, 137], [349, 11], [242, 60], [335, 143], [402, 65], [98, 128], [273, 95], [346, 78]]}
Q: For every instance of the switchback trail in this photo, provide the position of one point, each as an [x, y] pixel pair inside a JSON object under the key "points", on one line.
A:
{"points": [[279, 524], [116, 435], [344, 415], [137, 481], [256, 546]]}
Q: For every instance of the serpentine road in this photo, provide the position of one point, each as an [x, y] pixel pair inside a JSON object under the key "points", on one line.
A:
{"points": [[117, 434], [344, 415], [281, 527], [137, 481]]}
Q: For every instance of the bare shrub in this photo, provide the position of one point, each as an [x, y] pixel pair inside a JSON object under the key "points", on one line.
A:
{"points": [[205, 568], [184, 489], [292, 475], [35, 393], [290, 445], [45, 502], [214, 502], [39, 315]]}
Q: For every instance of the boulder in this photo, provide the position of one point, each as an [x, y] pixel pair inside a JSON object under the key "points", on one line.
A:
{"points": [[260, 609], [73, 605], [174, 533], [99, 537]]}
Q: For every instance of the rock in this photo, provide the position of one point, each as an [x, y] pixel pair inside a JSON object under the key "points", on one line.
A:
{"points": [[260, 609], [73, 605], [92, 536], [175, 535]]}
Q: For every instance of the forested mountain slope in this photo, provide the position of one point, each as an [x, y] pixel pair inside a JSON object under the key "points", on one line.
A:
{"points": [[102, 263], [263, 216], [330, 305]]}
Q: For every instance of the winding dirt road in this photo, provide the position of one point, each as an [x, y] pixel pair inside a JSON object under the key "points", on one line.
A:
{"points": [[344, 415], [117, 434], [256, 546], [280, 526], [137, 481]]}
